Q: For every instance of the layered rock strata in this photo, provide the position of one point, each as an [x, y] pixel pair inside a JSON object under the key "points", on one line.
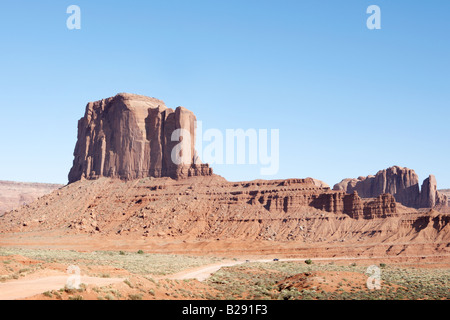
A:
{"points": [[130, 136], [402, 183]]}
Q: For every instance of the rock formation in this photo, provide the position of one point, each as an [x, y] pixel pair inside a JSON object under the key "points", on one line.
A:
{"points": [[402, 183], [210, 214], [13, 195], [429, 196], [445, 192], [354, 206], [202, 207], [130, 136]]}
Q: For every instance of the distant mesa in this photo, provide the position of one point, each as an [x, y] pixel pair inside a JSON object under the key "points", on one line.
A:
{"points": [[130, 136], [402, 183], [13, 195]]}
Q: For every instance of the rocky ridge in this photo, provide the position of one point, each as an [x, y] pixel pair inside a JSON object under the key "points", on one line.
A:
{"points": [[16, 194], [213, 208], [402, 183], [446, 192], [124, 184]]}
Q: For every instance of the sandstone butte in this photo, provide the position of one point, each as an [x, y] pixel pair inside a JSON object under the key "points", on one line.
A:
{"points": [[402, 183], [130, 137], [123, 184]]}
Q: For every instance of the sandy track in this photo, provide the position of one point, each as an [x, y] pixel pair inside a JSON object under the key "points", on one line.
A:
{"points": [[204, 272], [20, 289], [201, 273]]}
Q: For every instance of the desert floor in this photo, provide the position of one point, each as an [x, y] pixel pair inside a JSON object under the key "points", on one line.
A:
{"points": [[35, 266]]}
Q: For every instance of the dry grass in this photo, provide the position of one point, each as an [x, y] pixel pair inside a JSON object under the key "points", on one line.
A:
{"points": [[262, 281], [133, 262]]}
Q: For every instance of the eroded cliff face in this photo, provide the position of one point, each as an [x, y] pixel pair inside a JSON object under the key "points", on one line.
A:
{"points": [[200, 206], [130, 136], [402, 183], [429, 196], [212, 208]]}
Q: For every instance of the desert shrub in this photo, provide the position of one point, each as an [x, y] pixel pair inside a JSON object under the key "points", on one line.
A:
{"points": [[69, 290], [144, 264], [135, 296], [128, 283]]}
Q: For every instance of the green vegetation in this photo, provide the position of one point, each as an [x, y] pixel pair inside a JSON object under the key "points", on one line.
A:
{"points": [[138, 263], [128, 283], [283, 280], [135, 296], [82, 288], [261, 281]]}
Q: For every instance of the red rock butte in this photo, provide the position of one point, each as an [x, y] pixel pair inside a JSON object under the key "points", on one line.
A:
{"points": [[402, 183], [124, 186], [129, 137]]}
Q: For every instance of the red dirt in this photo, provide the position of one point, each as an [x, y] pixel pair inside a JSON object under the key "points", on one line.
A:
{"points": [[210, 216]]}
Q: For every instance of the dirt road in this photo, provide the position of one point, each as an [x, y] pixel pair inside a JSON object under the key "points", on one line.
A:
{"points": [[20, 289], [201, 273], [24, 288], [204, 272]]}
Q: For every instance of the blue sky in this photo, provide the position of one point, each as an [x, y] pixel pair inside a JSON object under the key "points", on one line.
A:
{"points": [[348, 101]]}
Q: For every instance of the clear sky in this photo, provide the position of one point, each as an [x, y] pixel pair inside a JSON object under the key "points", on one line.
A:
{"points": [[348, 101]]}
